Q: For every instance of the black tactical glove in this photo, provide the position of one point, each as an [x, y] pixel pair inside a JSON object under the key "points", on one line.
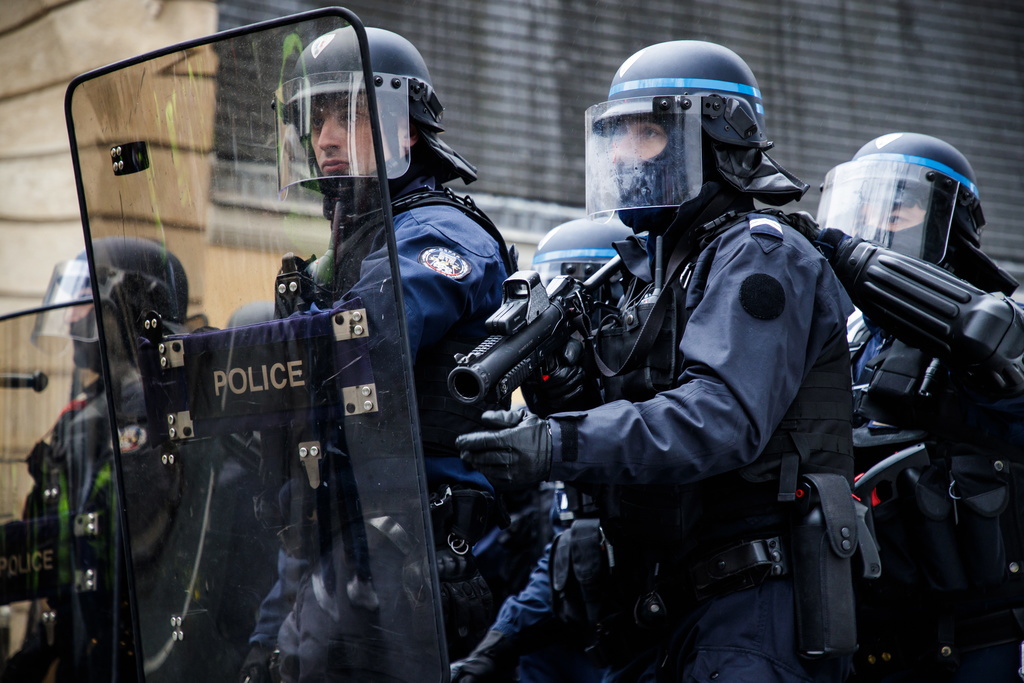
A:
{"points": [[517, 456], [492, 661], [256, 667], [566, 387], [466, 601]]}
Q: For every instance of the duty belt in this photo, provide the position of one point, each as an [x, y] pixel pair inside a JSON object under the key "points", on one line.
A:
{"points": [[985, 630], [739, 567], [744, 565], [941, 644]]}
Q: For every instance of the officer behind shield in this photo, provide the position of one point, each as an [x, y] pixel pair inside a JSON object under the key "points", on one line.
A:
{"points": [[526, 630], [86, 632], [949, 602], [453, 262], [720, 457]]}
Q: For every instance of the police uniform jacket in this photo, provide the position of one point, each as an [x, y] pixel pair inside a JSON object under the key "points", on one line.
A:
{"points": [[764, 308], [452, 274]]}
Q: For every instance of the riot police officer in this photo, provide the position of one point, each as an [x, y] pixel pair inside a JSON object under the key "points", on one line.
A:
{"points": [[85, 631], [453, 262], [721, 455], [526, 629], [948, 603]]}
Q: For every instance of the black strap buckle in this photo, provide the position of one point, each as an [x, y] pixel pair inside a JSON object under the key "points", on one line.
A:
{"points": [[742, 566]]}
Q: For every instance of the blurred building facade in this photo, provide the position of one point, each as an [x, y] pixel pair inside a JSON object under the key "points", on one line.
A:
{"points": [[43, 45], [517, 75]]}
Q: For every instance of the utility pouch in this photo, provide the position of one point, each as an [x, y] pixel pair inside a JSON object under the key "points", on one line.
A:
{"points": [[984, 494], [896, 392], [461, 516], [579, 565], [959, 540], [897, 376], [825, 538], [932, 530]]}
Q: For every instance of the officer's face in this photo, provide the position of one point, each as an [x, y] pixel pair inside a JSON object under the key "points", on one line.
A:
{"points": [[635, 140], [80, 316], [343, 140], [895, 219], [342, 137], [906, 216]]}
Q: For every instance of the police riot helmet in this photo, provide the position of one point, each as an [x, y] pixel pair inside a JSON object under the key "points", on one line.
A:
{"points": [[645, 143], [135, 276], [917, 195], [577, 248], [328, 78]]}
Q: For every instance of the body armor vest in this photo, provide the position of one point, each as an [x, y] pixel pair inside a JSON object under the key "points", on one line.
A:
{"points": [[813, 437], [443, 418]]}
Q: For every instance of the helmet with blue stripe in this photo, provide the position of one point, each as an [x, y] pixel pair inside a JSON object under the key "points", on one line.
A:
{"points": [[577, 248], [943, 163], [679, 114], [709, 76], [917, 195]]}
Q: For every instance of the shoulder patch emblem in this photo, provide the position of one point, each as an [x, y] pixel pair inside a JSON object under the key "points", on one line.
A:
{"points": [[445, 261], [765, 226], [762, 296], [131, 438]]}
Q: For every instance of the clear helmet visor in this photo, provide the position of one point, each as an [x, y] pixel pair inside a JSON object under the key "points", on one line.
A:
{"points": [[69, 308], [324, 129], [903, 206], [637, 157]]}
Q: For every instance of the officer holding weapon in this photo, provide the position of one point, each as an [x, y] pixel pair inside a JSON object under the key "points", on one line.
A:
{"points": [[526, 637], [720, 456], [936, 366]]}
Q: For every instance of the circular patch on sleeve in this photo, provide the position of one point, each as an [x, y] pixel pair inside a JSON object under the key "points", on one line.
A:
{"points": [[762, 296], [445, 261]]}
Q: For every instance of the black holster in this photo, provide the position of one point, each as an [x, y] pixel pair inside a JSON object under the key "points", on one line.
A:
{"points": [[825, 537]]}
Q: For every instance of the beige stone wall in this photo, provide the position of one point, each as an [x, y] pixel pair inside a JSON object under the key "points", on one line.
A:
{"points": [[44, 44]]}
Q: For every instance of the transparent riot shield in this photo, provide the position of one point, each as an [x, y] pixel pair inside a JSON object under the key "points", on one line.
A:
{"points": [[61, 565], [276, 514]]}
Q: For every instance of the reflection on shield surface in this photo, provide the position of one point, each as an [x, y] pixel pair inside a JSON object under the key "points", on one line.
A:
{"points": [[281, 490], [62, 608]]}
